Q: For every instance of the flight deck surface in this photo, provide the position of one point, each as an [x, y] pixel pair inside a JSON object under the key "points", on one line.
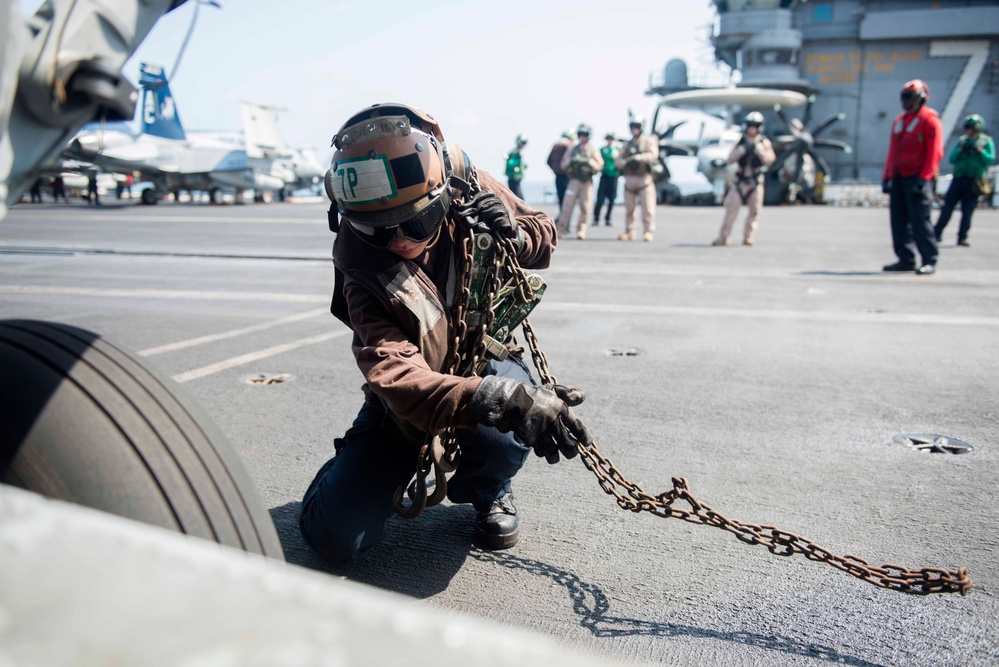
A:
{"points": [[773, 378]]}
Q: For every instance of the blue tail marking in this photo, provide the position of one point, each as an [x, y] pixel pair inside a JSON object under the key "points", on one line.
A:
{"points": [[159, 112]]}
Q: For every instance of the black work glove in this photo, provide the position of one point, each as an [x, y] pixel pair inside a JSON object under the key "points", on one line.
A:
{"points": [[493, 217], [886, 186], [540, 417], [919, 186]]}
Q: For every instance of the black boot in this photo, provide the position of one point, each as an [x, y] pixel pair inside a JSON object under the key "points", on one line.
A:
{"points": [[900, 266], [496, 524]]}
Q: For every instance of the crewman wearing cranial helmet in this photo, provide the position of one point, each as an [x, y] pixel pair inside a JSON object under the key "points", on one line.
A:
{"points": [[914, 153], [972, 155], [515, 166], [405, 205], [582, 162], [753, 152], [638, 160]]}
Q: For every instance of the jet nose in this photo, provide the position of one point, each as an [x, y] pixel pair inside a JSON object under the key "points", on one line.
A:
{"points": [[74, 148], [82, 149]]}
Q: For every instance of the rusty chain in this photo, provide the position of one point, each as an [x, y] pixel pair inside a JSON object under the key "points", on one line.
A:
{"points": [[631, 496], [441, 454]]}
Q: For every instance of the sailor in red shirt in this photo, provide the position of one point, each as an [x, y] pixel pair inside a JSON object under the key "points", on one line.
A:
{"points": [[913, 158]]}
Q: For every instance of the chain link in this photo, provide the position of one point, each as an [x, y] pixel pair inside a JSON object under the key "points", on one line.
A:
{"points": [[464, 355], [441, 454]]}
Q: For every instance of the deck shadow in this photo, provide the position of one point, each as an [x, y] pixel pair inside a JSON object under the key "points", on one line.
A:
{"points": [[592, 607], [442, 536]]}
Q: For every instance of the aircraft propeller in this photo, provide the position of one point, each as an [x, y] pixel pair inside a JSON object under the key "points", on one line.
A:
{"points": [[797, 162]]}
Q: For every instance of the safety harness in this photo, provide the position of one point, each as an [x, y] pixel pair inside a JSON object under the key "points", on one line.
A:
{"points": [[749, 162]]}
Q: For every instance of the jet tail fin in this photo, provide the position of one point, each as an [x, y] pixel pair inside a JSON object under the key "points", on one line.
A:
{"points": [[159, 112], [261, 132]]}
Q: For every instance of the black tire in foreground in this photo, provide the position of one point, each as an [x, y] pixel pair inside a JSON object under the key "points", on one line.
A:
{"points": [[83, 421]]}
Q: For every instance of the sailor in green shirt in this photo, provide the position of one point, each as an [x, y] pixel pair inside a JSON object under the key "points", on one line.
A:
{"points": [[971, 157], [607, 188], [515, 166]]}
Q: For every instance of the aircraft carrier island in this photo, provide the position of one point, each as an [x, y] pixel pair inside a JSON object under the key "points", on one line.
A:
{"points": [[851, 57]]}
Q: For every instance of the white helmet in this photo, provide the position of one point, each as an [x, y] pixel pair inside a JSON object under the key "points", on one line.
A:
{"points": [[753, 118]]}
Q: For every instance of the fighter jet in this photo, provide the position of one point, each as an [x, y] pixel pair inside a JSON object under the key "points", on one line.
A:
{"points": [[170, 159]]}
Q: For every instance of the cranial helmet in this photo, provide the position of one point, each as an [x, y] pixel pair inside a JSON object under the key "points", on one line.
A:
{"points": [[610, 135], [916, 89], [389, 174], [583, 129], [974, 122], [636, 121], [521, 140], [753, 118]]}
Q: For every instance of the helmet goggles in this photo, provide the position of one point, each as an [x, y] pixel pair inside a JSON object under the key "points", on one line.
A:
{"points": [[417, 228]]}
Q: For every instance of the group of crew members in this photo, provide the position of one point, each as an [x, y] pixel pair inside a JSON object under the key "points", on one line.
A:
{"points": [[575, 161], [910, 173]]}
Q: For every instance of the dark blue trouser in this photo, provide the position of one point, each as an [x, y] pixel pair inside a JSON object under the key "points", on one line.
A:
{"points": [[345, 508], [514, 187], [959, 191], [910, 221], [561, 183], [606, 192]]}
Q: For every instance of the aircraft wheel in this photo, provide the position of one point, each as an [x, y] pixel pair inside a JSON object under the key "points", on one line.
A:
{"points": [[149, 197], [83, 421], [216, 195], [266, 197]]}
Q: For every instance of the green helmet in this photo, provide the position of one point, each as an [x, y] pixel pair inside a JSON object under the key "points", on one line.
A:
{"points": [[521, 140], [974, 122]]}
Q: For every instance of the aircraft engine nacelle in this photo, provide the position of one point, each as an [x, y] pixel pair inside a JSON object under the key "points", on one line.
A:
{"points": [[242, 180], [283, 172], [267, 182]]}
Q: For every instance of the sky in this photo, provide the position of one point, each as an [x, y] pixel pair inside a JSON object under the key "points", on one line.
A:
{"points": [[488, 70]]}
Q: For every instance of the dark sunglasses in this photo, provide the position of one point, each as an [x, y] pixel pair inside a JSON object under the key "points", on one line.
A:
{"points": [[908, 95], [418, 228]]}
